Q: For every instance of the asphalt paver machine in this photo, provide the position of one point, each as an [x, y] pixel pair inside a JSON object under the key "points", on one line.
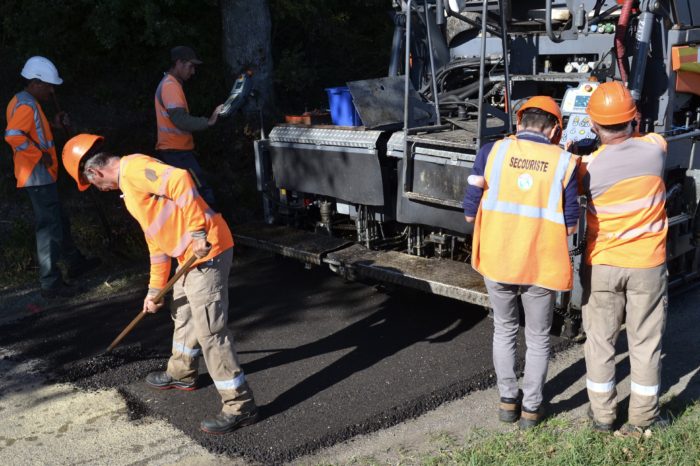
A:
{"points": [[383, 201]]}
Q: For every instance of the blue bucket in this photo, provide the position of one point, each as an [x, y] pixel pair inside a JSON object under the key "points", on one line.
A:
{"points": [[343, 112]]}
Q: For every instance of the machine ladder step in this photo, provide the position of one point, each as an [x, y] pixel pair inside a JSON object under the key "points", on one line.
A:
{"points": [[447, 278], [289, 242]]}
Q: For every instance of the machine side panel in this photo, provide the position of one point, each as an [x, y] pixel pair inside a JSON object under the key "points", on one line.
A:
{"points": [[348, 173], [439, 181]]}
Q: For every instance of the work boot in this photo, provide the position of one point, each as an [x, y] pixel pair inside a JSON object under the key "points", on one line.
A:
{"points": [[509, 408], [62, 291], [223, 422], [596, 425], [82, 267], [163, 381], [637, 431], [530, 419]]}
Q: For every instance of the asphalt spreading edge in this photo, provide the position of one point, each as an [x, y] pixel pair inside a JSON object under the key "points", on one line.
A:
{"points": [[131, 362], [72, 352]]}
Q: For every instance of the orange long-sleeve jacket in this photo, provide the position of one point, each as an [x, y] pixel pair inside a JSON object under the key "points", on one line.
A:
{"points": [[165, 202], [29, 134]]}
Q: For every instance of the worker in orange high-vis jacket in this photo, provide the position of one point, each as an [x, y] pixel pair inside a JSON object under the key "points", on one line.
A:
{"points": [[29, 134], [175, 125], [177, 223], [522, 198], [625, 281]]}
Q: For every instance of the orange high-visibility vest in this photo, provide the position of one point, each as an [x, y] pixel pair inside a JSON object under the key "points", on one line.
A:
{"points": [[169, 95], [519, 233], [626, 215], [29, 134], [167, 205]]}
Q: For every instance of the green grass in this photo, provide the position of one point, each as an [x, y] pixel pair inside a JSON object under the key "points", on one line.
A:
{"points": [[16, 254], [563, 442]]}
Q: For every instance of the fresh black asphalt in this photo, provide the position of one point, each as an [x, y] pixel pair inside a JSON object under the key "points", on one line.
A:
{"points": [[326, 359]]}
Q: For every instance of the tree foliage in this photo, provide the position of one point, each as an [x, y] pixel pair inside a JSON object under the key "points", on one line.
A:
{"points": [[320, 44], [315, 43]]}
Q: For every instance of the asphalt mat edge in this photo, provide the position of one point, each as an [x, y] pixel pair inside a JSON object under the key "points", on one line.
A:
{"points": [[355, 322]]}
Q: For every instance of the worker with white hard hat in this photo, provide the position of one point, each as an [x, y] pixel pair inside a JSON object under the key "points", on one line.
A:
{"points": [[29, 134]]}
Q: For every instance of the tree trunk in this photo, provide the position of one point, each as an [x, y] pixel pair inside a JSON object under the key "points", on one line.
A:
{"points": [[247, 46]]}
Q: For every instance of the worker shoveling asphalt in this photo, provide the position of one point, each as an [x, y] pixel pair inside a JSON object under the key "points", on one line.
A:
{"points": [[177, 223]]}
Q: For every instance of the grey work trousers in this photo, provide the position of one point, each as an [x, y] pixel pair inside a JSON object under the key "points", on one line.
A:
{"points": [[53, 236], [538, 304], [200, 314], [637, 297]]}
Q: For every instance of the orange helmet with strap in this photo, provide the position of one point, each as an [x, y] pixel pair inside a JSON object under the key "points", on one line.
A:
{"points": [[611, 104], [546, 104], [73, 152]]}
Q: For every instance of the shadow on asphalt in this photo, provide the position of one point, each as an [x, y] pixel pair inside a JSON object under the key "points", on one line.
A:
{"points": [[326, 359]]}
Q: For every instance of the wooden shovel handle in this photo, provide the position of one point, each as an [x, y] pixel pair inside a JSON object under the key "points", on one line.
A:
{"points": [[157, 298]]}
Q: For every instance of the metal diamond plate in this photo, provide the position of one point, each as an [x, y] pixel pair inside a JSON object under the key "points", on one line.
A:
{"points": [[325, 136]]}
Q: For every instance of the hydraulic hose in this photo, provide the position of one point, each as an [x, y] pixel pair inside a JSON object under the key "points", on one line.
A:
{"points": [[620, 33], [548, 23]]}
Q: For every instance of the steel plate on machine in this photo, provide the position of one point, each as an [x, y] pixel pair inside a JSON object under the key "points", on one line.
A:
{"points": [[380, 103], [448, 278], [298, 244]]}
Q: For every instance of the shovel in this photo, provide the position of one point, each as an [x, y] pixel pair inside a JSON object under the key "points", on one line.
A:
{"points": [[156, 299]]}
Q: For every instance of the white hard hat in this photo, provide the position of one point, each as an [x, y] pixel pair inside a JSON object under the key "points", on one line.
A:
{"points": [[42, 69]]}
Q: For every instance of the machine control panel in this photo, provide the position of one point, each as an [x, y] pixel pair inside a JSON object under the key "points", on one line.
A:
{"points": [[240, 90], [573, 106]]}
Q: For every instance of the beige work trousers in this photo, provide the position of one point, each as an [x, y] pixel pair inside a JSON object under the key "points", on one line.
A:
{"points": [[637, 297], [200, 314]]}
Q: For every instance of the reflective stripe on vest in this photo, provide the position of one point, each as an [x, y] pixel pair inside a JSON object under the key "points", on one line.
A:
{"points": [[169, 135], [550, 213], [629, 206], [159, 258], [626, 193], [25, 98], [172, 130], [29, 170]]}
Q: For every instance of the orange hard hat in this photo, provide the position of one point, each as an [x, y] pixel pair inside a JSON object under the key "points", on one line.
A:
{"points": [[74, 151], [544, 103], [611, 104]]}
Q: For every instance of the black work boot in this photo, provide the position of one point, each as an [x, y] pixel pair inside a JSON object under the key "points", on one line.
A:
{"points": [[163, 381], [530, 419], [596, 425], [509, 408], [61, 291], [223, 423], [658, 423], [82, 267]]}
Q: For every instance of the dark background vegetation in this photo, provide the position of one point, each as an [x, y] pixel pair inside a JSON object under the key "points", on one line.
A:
{"points": [[111, 55]]}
